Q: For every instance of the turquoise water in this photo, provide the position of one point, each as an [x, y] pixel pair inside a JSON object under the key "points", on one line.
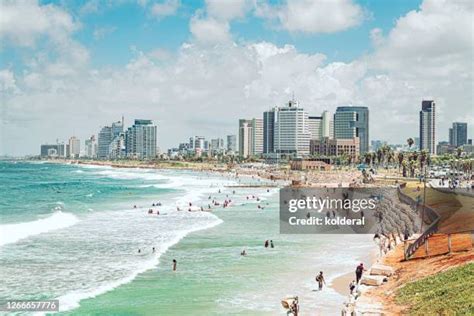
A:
{"points": [[88, 258]]}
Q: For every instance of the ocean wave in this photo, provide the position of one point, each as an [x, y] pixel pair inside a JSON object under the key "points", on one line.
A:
{"points": [[72, 300], [11, 233]]}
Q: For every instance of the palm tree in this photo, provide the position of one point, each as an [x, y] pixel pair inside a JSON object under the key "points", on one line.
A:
{"points": [[423, 157], [410, 142], [400, 159]]}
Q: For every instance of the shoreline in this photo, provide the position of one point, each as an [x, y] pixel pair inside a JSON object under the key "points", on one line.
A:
{"points": [[339, 284]]}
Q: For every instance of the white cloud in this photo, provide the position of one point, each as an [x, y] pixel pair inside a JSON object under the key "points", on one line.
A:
{"points": [[209, 30], [23, 22], [166, 8], [427, 54], [228, 9], [101, 32], [314, 16], [91, 6], [204, 89], [7, 81]]}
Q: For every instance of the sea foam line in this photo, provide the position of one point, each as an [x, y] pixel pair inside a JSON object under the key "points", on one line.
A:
{"points": [[72, 300], [11, 233]]}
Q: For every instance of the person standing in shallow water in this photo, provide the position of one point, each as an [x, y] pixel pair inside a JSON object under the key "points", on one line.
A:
{"points": [[175, 263], [271, 244], [320, 280], [266, 243]]}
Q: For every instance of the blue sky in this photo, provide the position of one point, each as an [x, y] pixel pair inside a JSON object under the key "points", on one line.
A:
{"points": [[197, 67], [129, 24]]}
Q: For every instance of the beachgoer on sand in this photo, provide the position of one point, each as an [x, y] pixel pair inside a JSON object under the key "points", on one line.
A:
{"points": [[359, 271], [352, 286]]}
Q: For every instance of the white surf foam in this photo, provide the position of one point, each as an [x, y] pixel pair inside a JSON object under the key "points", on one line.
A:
{"points": [[72, 300], [11, 233]]}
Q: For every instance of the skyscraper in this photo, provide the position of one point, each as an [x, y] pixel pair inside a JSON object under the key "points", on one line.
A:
{"points": [[140, 140], [217, 145], [245, 137], [327, 125], [257, 137], [232, 143], [104, 139], [91, 147], [74, 147], [268, 128], [291, 133], [351, 122], [458, 134], [315, 126], [428, 126]]}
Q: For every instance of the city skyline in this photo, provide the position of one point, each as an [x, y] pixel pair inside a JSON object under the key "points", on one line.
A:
{"points": [[303, 135], [194, 68]]}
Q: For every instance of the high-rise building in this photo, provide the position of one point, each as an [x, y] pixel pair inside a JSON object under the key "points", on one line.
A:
{"points": [[268, 129], [74, 147], [232, 143], [91, 147], [291, 133], [458, 134], [217, 145], [117, 147], [245, 138], [428, 126], [351, 122], [327, 125], [117, 128], [315, 126], [103, 142], [197, 143], [257, 137], [140, 140], [53, 150]]}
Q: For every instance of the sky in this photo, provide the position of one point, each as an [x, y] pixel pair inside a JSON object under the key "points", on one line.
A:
{"points": [[67, 68]]}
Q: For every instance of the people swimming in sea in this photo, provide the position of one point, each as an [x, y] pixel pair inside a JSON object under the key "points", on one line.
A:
{"points": [[134, 206], [139, 250], [157, 212], [266, 243], [153, 249], [175, 263], [150, 211], [320, 280], [271, 244], [243, 253]]}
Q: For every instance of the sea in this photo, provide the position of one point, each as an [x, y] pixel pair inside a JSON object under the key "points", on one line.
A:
{"points": [[82, 234]]}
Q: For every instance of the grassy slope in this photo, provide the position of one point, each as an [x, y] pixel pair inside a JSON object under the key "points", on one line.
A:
{"points": [[446, 293]]}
